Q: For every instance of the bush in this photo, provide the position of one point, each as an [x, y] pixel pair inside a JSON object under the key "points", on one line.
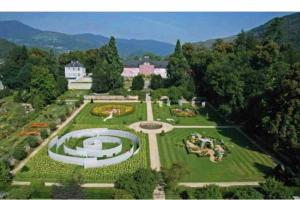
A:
{"points": [[138, 83], [209, 192], [62, 117], [244, 193], [92, 101], [273, 189], [52, 126], [140, 184], [122, 194], [156, 82], [77, 104], [20, 193], [5, 93], [5, 176], [19, 152], [32, 141], [44, 134]]}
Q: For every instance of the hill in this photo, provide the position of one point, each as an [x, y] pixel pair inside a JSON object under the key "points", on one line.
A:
{"points": [[5, 47], [290, 28], [23, 34]]}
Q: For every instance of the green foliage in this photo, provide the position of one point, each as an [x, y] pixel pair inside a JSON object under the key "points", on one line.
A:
{"points": [[19, 152], [5, 93], [44, 133], [32, 141], [122, 194], [140, 184], [70, 189], [52, 126], [209, 192], [20, 193], [244, 193], [138, 82], [108, 69], [273, 189], [173, 175], [5, 176], [156, 82]]}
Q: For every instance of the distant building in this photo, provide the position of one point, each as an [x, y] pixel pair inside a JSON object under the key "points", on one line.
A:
{"points": [[75, 73], [144, 66]]}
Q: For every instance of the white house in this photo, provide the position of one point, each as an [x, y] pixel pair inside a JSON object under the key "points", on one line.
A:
{"points": [[74, 71], [76, 75]]}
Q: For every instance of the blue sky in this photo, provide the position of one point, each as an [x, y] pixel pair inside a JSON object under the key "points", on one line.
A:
{"points": [[160, 26]]}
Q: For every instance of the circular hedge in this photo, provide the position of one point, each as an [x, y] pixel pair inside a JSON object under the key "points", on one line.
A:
{"points": [[117, 109]]}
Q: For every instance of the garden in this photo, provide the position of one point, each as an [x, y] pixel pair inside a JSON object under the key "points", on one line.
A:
{"points": [[43, 168], [187, 115], [242, 161]]}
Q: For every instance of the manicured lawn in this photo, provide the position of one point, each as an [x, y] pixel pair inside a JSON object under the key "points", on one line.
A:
{"points": [[43, 168], [244, 162], [206, 116], [85, 116]]}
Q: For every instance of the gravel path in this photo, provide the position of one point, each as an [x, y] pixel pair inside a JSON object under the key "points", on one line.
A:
{"points": [[221, 184], [45, 142]]}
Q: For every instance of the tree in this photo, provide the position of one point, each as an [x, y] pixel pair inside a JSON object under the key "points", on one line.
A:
{"points": [[273, 189], [122, 194], [178, 70], [138, 82], [245, 193], [173, 175], [43, 86], [62, 84], [140, 184], [209, 192], [156, 82], [174, 95], [5, 176], [20, 193]]}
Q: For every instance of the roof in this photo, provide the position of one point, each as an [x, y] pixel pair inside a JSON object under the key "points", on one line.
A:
{"points": [[74, 64], [136, 63]]}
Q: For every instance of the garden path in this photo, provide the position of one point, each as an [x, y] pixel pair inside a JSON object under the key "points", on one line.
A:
{"points": [[45, 142], [221, 184]]}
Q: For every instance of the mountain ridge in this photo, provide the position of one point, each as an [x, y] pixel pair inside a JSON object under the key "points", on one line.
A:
{"points": [[22, 34]]}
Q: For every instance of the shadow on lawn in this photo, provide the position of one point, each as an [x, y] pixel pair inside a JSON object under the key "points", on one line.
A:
{"points": [[212, 115], [266, 170]]}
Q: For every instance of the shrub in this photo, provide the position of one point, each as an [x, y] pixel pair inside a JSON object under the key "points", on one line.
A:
{"points": [[77, 104], [140, 184], [5, 175], [32, 141], [244, 193], [5, 93], [156, 82], [52, 126], [44, 133], [138, 83], [19, 152], [209, 192], [20, 193], [62, 117], [273, 189], [92, 101], [122, 194]]}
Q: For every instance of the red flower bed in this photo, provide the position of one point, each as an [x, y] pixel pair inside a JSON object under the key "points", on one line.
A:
{"points": [[26, 132], [39, 125]]}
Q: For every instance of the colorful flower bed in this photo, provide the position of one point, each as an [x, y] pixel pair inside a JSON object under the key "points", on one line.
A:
{"points": [[116, 109], [39, 125], [183, 112]]}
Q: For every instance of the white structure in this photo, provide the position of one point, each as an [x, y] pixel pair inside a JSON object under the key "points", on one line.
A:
{"points": [[76, 75], [87, 155], [1, 86]]}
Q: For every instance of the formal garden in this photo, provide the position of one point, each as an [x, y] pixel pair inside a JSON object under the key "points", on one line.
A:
{"points": [[242, 160], [42, 167]]}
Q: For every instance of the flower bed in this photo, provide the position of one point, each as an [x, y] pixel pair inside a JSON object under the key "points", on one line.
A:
{"points": [[29, 131], [116, 109], [39, 125], [183, 112]]}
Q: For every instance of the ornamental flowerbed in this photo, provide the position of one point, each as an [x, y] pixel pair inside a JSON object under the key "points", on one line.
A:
{"points": [[115, 109], [183, 111]]}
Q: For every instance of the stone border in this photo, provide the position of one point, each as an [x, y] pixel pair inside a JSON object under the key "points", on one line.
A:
{"points": [[165, 127], [87, 157]]}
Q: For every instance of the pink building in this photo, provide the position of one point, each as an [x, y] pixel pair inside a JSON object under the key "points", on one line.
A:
{"points": [[144, 66]]}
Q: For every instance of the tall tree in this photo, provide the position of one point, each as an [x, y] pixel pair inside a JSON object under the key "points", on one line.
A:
{"points": [[178, 69]]}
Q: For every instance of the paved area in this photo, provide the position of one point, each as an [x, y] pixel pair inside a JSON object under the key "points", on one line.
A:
{"points": [[86, 185], [113, 101], [20, 183], [45, 142], [196, 126], [165, 127], [149, 107], [159, 193], [221, 184]]}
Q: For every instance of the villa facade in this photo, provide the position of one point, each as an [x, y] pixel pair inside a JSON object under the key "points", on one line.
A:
{"points": [[144, 66], [75, 73]]}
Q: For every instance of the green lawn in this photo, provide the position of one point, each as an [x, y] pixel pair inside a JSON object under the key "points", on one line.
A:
{"points": [[244, 162], [43, 168], [85, 116], [206, 116]]}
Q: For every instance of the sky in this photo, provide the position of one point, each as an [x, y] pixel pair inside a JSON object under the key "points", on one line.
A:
{"points": [[161, 26]]}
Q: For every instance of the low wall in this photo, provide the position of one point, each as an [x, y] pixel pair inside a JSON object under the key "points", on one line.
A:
{"points": [[87, 157], [110, 97]]}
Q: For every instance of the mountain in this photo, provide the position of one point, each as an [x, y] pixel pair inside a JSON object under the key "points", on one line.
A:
{"points": [[5, 47], [290, 28], [23, 34]]}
